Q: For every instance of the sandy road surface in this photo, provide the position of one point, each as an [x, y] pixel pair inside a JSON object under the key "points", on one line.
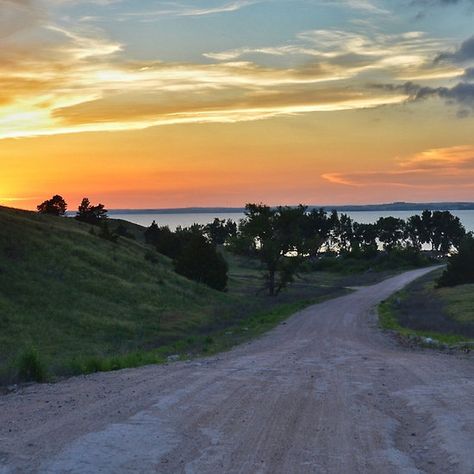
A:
{"points": [[323, 393]]}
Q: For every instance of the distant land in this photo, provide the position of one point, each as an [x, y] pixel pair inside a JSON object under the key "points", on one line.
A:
{"points": [[394, 206]]}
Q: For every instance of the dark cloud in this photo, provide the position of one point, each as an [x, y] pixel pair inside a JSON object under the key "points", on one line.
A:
{"points": [[464, 53], [461, 94], [468, 74]]}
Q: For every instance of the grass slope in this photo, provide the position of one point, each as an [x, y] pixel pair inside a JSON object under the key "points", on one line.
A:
{"points": [[81, 303], [443, 314], [69, 293], [71, 302]]}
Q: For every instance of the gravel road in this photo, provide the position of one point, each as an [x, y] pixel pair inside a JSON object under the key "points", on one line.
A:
{"points": [[325, 392]]}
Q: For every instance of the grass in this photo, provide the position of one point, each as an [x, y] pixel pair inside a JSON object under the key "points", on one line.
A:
{"points": [[71, 302], [422, 311]]}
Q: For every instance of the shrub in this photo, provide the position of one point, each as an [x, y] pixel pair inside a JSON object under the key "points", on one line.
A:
{"points": [[460, 268], [94, 215], [200, 261], [55, 206], [31, 366]]}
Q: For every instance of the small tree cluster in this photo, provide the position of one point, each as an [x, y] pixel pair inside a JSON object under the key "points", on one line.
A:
{"points": [[193, 253], [94, 215], [460, 269], [56, 206]]}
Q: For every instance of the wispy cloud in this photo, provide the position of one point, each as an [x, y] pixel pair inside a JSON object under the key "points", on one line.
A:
{"points": [[170, 9], [435, 168], [367, 6], [63, 77]]}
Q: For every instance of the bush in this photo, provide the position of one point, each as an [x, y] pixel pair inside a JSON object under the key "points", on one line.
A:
{"points": [[31, 366], [200, 261], [94, 215], [55, 206], [460, 268]]}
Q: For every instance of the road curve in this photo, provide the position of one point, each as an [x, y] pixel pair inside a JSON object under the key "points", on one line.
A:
{"points": [[324, 393]]}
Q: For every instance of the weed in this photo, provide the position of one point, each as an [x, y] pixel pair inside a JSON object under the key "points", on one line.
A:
{"points": [[31, 367]]}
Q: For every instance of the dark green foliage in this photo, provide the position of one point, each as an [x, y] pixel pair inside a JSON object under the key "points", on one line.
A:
{"points": [[219, 231], [164, 240], [460, 268], [390, 232], [122, 231], [364, 240], [106, 234], [194, 256], [55, 206], [94, 215], [31, 367], [200, 261], [271, 234]]}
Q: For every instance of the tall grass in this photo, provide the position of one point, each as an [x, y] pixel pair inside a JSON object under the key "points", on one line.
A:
{"points": [[31, 366]]}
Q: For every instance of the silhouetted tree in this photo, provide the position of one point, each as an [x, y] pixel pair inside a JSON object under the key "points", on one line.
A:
{"points": [[447, 231], [415, 232], [343, 233], [163, 239], [219, 230], [91, 214], [272, 235], [364, 239], [315, 228], [55, 206], [200, 261], [460, 269], [391, 232]]}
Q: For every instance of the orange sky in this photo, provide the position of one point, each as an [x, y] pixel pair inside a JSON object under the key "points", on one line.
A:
{"points": [[324, 112]]}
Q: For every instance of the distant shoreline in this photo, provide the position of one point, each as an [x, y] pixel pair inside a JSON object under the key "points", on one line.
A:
{"points": [[396, 206]]}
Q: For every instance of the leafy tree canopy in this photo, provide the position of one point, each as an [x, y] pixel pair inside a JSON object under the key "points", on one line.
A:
{"points": [[55, 206]]}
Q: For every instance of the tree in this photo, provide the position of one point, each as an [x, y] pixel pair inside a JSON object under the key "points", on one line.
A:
{"points": [[391, 232], [200, 261], [460, 269], [219, 231], [273, 235], [447, 231], [55, 206], [91, 214], [364, 239], [314, 229], [164, 240], [415, 232], [343, 233]]}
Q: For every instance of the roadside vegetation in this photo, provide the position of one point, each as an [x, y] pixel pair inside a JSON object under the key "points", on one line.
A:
{"points": [[425, 313], [72, 302], [91, 293]]}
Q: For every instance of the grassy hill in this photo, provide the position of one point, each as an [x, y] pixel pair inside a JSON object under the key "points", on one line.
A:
{"points": [[81, 303], [421, 310], [69, 293]]}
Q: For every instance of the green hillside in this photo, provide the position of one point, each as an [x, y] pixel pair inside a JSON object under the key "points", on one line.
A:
{"points": [[69, 293], [72, 302]]}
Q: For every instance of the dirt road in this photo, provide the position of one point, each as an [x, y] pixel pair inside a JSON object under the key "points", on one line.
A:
{"points": [[324, 393]]}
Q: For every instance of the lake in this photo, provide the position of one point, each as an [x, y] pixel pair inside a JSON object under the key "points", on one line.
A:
{"points": [[186, 220]]}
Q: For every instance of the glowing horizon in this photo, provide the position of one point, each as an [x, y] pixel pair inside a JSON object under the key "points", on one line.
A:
{"points": [[219, 103]]}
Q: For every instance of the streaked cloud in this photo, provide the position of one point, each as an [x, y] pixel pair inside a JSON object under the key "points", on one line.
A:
{"points": [[436, 168], [180, 9], [61, 76]]}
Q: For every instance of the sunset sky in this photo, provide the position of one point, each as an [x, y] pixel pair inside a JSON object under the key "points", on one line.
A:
{"points": [[148, 104]]}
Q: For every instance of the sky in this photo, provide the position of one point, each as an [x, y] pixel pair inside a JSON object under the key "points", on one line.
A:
{"points": [[155, 104]]}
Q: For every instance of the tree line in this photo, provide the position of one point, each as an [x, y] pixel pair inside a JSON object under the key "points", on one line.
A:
{"points": [[284, 238]]}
